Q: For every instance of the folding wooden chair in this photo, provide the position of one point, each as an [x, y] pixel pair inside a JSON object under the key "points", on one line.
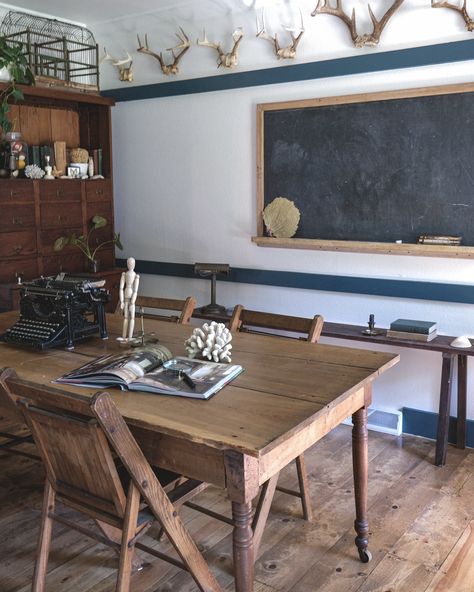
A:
{"points": [[184, 307], [76, 437], [8, 410], [253, 321]]}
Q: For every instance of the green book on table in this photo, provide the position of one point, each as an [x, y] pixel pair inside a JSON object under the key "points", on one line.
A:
{"points": [[413, 326]]}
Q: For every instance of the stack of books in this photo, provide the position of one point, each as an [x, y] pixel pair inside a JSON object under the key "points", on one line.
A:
{"points": [[414, 330]]}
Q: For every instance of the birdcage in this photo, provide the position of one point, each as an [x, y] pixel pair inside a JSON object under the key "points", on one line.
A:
{"points": [[59, 53]]}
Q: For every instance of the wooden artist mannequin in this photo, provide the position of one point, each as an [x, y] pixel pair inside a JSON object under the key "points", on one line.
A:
{"points": [[128, 291]]}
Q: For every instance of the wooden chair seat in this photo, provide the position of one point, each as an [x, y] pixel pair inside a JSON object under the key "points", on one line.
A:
{"points": [[93, 438], [185, 308], [253, 321]]}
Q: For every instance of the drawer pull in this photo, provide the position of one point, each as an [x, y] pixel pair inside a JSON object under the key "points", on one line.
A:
{"points": [[17, 250], [13, 193], [99, 191], [58, 192], [17, 220]]}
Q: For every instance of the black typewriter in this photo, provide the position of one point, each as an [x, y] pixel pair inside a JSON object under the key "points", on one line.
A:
{"points": [[58, 311]]}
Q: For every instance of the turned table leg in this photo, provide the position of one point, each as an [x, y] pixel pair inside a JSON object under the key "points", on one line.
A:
{"points": [[462, 401], [444, 406], [242, 540], [360, 463], [242, 487]]}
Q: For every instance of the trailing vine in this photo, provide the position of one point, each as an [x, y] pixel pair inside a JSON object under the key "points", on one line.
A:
{"points": [[13, 59]]}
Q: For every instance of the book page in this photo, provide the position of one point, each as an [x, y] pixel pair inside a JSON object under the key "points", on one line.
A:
{"points": [[117, 368], [207, 378]]}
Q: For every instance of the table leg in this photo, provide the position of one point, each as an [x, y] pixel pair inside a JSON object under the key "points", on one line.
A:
{"points": [[360, 463], [462, 401], [242, 539], [444, 406]]}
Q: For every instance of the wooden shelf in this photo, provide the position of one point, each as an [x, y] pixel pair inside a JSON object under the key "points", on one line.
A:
{"points": [[366, 247], [59, 93]]}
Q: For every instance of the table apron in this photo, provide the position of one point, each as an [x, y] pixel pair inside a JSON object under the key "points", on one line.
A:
{"points": [[277, 458], [192, 459]]}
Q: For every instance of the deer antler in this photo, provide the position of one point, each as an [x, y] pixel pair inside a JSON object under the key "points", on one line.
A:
{"points": [[379, 26], [461, 9], [230, 59], [124, 66], [324, 7], [173, 68], [107, 57], [146, 50], [288, 52], [368, 39]]}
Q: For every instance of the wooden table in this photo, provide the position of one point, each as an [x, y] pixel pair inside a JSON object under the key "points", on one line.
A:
{"points": [[450, 356], [291, 394]]}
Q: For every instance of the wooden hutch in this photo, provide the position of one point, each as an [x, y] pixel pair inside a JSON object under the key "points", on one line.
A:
{"points": [[33, 213]]}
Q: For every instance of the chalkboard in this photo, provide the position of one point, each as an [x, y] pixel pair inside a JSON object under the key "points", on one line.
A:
{"points": [[383, 167]]}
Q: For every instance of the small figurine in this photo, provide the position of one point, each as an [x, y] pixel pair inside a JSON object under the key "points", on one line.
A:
{"points": [[48, 169], [371, 330], [128, 291]]}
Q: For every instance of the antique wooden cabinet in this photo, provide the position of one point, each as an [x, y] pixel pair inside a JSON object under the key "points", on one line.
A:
{"points": [[34, 213]]}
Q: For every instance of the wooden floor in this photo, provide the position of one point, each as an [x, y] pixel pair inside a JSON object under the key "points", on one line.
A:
{"points": [[421, 520]]}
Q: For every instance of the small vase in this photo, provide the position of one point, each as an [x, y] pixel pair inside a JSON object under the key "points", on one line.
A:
{"points": [[94, 265]]}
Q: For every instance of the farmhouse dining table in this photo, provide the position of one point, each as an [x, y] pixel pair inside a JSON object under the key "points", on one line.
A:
{"points": [[289, 396]]}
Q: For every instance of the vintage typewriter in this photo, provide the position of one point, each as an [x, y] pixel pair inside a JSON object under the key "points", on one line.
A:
{"points": [[58, 311]]}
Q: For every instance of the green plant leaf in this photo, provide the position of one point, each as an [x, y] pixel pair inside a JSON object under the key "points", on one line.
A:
{"points": [[17, 95], [118, 242], [60, 243], [98, 222]]}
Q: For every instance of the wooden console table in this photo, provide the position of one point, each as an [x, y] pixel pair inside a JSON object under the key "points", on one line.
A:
{"points": [[450, 355]]}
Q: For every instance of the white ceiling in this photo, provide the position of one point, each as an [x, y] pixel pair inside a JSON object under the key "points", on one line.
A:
{"points": [[90, 12]]}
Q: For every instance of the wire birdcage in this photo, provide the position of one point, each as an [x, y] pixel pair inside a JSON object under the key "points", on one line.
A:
{"points": [[58, 53]]}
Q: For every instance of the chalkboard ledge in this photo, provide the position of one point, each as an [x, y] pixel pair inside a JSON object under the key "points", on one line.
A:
{"points": [[366, 247]]}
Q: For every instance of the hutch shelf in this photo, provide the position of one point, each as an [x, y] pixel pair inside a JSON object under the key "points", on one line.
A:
{"points": [[36, 212]]}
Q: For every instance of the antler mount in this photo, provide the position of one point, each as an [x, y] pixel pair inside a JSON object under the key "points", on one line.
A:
{"points": [[367, 39], [461, 9], [173, 68]]}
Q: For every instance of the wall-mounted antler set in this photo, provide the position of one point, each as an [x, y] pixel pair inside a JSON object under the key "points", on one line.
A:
{"points": [[230, 59]]}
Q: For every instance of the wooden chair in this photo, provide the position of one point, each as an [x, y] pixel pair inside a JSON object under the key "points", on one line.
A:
{"points": [[253, 321], [73, 431], [184, 307], [9, 410]]}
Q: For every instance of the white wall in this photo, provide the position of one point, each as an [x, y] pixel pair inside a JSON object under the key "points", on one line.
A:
{"points": [[185, 189]]}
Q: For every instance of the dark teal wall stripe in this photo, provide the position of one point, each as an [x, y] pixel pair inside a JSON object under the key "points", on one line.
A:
{"points": [[328, 283], [425, 423], [443, 53]]}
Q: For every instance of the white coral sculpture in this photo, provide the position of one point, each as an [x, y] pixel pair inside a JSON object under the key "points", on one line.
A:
{"points": [[211, 341], [33, 171]]}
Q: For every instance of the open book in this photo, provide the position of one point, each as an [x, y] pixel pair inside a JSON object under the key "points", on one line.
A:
{"points": [[152, 368]]}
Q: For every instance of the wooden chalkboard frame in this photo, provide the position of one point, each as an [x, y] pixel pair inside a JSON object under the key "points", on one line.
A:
{"points": [[466, 252]]}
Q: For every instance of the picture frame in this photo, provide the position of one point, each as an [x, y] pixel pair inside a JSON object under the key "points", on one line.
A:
{"points": [[74, 172]]}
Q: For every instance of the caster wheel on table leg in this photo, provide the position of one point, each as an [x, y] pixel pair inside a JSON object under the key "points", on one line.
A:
{"points": [[365, 555]]}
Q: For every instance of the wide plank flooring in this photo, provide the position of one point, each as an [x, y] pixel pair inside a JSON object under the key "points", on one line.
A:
{"points": [[421, 521]]}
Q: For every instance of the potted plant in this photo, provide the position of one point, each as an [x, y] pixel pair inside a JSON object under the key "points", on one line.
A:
{"points": [[14, 61], [83, 242]]}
